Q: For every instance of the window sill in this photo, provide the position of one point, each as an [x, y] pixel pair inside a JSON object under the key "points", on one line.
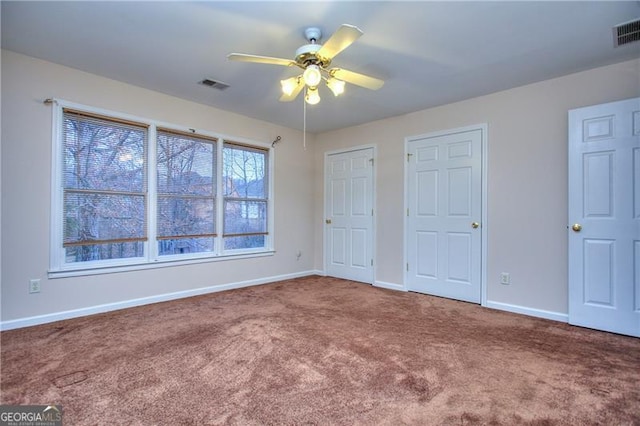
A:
{"points": [[161, 263]]}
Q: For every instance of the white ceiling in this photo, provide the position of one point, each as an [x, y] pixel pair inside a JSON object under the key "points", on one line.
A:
{"points": [[428, 53]]}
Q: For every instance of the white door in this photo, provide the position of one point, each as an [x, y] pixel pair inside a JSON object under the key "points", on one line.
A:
{"points": [[349, 215], [444, 210], [604, 217]]}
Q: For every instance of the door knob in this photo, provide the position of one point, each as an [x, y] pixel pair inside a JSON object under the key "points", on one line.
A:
{"points": [[475, 225], [577, 227], [328, 221]]}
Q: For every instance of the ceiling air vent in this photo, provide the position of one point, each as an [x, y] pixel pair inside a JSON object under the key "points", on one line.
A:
{"points": [[626, 33], [214, 84]]}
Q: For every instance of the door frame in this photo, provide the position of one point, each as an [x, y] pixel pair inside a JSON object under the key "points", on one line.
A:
{"points": [[374, 156], [483, 127]]}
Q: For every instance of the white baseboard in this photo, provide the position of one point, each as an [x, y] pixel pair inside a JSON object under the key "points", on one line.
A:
{"points": [[75, 313], [539, 313], [381, 284], [390, 286]]}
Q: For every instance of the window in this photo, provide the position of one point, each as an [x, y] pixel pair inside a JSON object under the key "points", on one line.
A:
{"points": [[186, 193], [245, 196], [104, 188], [129, 192]]}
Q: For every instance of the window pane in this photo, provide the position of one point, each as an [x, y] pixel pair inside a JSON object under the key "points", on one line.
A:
{"points": [[246, 196], [103, 155], [121, 250], [104, 188], [185, 165], [186, 189], [245, 242], [244, 172], [185, 216], [100, 217], [185, 245], [245, 217]]}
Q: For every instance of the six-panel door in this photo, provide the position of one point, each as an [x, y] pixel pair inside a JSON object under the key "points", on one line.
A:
{"points": [[604, 217], [444, 192]]}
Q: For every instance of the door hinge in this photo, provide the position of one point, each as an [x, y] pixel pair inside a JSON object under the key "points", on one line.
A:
{"points": [[407, 211], [371, 262], [371, 159], [407, 266], [409, 156], [371, 212]]}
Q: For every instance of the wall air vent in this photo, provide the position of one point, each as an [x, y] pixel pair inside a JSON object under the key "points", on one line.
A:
{"points": [[214, 84], [626, 33]]}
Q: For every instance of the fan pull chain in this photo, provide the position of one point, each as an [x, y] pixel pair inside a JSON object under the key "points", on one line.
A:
{"points": [[304, 122]]}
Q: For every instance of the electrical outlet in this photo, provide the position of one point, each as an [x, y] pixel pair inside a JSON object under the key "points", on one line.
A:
{"points": [[34, 286], [505, 278]]}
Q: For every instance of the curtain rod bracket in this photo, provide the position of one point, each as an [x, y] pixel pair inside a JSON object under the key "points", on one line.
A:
{"points": [[278, 139], [50, 101]]}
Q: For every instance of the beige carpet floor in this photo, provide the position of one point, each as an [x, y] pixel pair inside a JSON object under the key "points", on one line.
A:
{"points": [[322, 351]]}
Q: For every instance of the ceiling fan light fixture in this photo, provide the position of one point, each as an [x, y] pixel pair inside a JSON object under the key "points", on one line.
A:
{"points": [[314, 60], [312, 97], [312, 75], [289, 85], [336, 86]]}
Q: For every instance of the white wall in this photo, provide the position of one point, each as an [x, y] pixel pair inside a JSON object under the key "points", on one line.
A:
{"points": [[527, 180], [26, 168]]}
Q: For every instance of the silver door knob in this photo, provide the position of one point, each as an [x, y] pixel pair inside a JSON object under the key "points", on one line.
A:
{"points": [[577, 227], [327, 221]]}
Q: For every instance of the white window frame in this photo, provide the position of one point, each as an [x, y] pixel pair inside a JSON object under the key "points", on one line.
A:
{"points": [[58, 268]]}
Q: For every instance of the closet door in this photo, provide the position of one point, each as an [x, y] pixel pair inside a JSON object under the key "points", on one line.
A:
{"points": [[444, 210]]}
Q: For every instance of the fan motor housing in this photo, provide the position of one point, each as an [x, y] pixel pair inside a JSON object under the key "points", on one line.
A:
{"points": [[307, 54]]}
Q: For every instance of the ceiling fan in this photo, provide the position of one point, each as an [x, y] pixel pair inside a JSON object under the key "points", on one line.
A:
{"points": [[314, 59]]}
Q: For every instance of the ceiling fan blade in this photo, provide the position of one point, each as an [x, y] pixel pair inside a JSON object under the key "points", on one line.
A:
{"points": [[294, 93], [259, 59], [340, 40], [356, 78]]}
